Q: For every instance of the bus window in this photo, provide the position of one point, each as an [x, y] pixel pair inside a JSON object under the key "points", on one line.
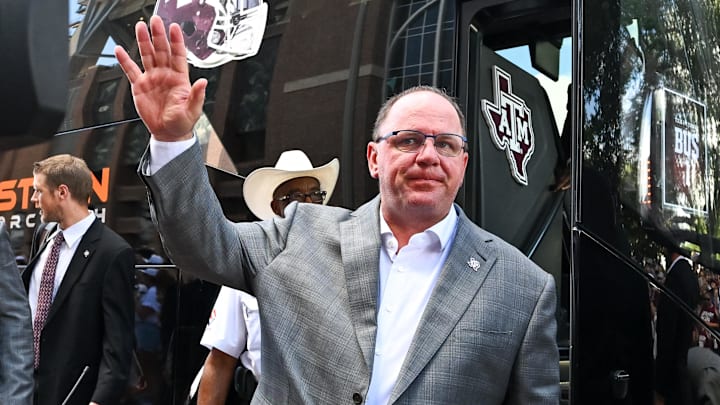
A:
{"points": [[648, 136]]}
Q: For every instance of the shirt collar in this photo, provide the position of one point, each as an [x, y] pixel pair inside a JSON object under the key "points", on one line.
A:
{"points": [[442, 230], [75, 232]]}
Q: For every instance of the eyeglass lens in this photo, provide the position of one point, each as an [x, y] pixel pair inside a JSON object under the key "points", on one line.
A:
{"points": [[315, 196], [412, 141]]}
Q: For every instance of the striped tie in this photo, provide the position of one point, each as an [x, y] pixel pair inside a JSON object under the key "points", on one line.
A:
{"points": [[47, 283]]}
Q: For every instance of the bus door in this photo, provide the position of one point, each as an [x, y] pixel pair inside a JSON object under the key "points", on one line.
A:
{"points": [[512, 186]]}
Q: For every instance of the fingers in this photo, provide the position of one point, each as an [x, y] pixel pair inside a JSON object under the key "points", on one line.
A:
{"points": [[178, 58], [160, 42], [197, 97], [131, 69], [145, 47], [156, 51]]}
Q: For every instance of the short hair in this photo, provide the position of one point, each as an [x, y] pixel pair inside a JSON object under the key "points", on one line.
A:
{"points": [[68, 170], [385, 109]]}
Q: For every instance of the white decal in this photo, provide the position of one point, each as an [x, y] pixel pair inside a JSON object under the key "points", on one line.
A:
{"points": [[510, 122]]}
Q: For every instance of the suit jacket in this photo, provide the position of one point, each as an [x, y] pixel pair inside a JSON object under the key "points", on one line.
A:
{"points": [[90, 323], [487, 334], [16, 348]]}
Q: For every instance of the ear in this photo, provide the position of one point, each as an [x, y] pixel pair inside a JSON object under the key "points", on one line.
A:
{"points": [[372, 159], [63, 191]]}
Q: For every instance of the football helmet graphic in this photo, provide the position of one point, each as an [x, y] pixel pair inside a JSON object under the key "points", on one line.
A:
{"points": [[216, 31]]}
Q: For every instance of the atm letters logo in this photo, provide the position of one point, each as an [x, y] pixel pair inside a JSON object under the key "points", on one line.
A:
{"points": [[510, 122]]}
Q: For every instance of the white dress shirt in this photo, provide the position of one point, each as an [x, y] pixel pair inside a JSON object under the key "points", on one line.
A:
{"points": [[407, 279], [72, 239]]}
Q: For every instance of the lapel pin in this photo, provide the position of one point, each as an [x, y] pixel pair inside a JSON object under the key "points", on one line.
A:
{"points": [[474, 264], [86, 253]]}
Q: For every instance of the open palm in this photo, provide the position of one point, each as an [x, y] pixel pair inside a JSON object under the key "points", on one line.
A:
{"points": [[164, 98]]}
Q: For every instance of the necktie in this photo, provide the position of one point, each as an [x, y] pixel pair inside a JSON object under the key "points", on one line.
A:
{"points": [[47, 283]]}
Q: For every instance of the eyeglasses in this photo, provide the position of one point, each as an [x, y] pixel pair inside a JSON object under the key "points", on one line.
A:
{"points": [[411, 141], [315, 196]]}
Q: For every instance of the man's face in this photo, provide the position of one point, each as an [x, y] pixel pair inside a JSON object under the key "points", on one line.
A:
{"points": [[422, 184], [46, 199], [302, 185]]}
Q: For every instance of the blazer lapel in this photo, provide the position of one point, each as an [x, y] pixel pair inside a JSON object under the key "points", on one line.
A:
{"points": [[465, 270], [77, 266], [360, 238]]}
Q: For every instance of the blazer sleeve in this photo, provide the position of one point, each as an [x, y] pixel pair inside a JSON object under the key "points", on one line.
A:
{"points": [[16, 350], [195, 233]]}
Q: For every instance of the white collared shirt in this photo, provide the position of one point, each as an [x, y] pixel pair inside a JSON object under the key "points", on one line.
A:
{"points": [[407, 279], [72, 239], [163, 152]]}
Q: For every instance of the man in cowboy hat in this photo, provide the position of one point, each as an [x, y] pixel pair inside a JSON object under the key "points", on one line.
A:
{"points": [[233, 331]]}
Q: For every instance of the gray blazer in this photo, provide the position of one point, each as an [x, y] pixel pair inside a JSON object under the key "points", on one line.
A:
{"points": [[487, 335], [16, 336]]}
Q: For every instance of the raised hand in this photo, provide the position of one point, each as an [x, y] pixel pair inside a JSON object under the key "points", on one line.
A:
{"points": [[164, 98]]}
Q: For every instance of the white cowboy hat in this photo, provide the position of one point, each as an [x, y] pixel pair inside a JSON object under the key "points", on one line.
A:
{"points": [[261, 183]]}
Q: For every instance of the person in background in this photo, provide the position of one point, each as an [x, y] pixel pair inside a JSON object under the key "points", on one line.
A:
{"points": [[16, 349], [403, 300], [674, 331], [234, 328], [80, 288]]}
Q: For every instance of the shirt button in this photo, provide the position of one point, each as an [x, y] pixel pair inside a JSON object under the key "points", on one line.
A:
{"points": [[357, 398]]}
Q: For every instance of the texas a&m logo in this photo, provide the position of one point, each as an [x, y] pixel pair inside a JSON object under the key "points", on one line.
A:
{"points": [[510, 122]]}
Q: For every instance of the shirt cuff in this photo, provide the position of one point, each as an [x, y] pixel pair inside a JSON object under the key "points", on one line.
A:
{"points": [[163, 152]]}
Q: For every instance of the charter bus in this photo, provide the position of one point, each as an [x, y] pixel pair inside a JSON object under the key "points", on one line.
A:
{"points": [[593, 143]]}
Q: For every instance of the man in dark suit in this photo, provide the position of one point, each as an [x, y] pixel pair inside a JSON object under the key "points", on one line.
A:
{"points": [[675, 331], [16, 383], [402, 301], [80, 291]]}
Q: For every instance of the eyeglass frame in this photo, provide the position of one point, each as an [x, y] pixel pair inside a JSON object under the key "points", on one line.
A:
{"points": [[288, 197], [434, 138]]}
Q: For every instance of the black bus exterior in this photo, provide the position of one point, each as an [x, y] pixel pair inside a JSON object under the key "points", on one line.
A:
{"points": [[593, 137]]}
